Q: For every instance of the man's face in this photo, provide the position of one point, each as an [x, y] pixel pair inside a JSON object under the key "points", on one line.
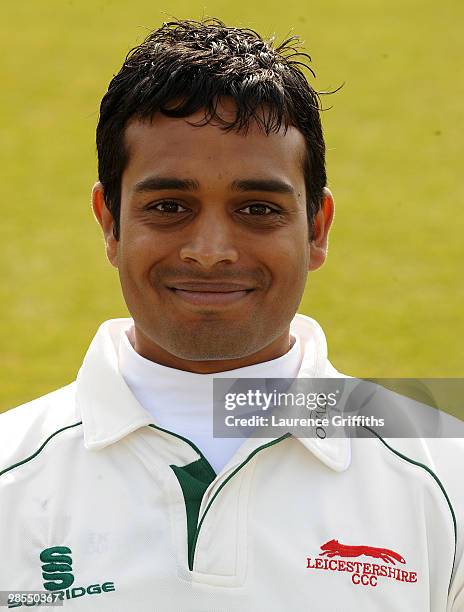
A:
{"points": [[213, 250]]}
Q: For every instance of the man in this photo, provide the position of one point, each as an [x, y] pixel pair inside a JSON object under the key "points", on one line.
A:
{"points": [[114, 494]]}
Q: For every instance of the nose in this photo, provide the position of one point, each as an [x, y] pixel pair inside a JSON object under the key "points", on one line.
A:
{"points": [[210, 241]]}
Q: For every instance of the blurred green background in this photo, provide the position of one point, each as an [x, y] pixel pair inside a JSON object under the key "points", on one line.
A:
{"points": [[391, 295]]}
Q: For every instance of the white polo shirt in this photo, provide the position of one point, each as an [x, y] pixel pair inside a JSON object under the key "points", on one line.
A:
{"points": [[102, 506]]}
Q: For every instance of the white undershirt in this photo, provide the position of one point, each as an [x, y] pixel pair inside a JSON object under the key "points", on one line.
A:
{"points": [[182, 402]]}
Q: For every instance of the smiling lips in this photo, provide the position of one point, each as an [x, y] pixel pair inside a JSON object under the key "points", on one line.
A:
{"points": [[210, 294]]}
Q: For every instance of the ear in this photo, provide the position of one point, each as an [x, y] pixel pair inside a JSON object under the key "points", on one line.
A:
{"points": [[321, 226], [106, 221]]}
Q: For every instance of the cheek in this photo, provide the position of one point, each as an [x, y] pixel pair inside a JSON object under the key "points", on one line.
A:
{"points": [[133, 267], [140, 249], [290, 262]]}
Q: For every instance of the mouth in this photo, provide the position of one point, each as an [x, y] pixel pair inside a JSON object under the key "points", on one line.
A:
{"points": [[210, 294]]}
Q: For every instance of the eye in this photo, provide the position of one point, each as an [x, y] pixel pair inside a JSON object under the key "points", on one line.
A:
{"points": [[168, 207], [259, 210]]}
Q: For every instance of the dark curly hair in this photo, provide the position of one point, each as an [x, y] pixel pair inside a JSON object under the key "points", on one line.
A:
{"points": [[187, 65]]}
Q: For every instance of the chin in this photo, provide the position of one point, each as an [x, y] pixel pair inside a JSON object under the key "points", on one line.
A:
{"points": [[209, 342]]}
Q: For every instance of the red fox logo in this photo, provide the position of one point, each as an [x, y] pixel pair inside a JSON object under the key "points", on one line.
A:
{"points": [[333, 548]]}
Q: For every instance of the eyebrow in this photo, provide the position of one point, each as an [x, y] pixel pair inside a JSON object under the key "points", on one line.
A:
{"points": [[271, 185], [158, 183]]}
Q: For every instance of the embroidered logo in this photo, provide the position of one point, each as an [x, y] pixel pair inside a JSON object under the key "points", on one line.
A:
{"points": [[362, 573], [58, 576], [57, 568], [334, 548]]}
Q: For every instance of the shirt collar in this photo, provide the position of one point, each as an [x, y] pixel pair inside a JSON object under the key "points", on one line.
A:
{"points": [[110, 411]]}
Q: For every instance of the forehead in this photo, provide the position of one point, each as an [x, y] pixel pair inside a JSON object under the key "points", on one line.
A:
{"points": [[167, 144]]}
